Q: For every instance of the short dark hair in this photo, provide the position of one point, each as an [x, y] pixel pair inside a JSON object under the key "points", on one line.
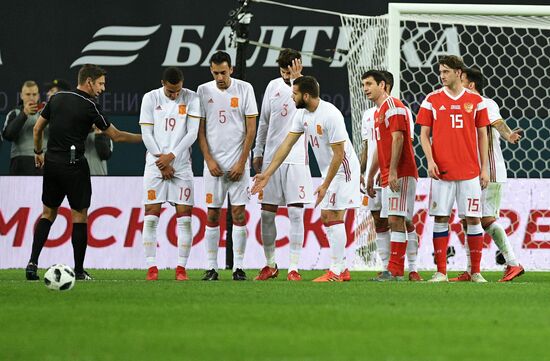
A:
{"points": [[90, 71], [474, 75], [389, 78], [220, 57], [308, 84], [172, 75], [286, 56], [452, 61], [377, 75]]}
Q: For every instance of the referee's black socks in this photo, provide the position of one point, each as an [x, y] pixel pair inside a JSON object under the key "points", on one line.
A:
{"points": [[41, 233], [80, 242]]}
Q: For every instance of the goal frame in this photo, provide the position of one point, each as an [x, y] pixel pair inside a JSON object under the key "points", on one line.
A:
{"points": [[395, 10]]}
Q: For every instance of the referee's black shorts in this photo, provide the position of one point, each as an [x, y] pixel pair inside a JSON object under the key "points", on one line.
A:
{"points": [[64, 179]]}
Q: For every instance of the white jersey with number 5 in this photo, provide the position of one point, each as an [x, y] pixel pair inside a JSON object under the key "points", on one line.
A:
{"points": [[323, 127], [497, 166], [169, 119], [225, 112], [278, 110]]}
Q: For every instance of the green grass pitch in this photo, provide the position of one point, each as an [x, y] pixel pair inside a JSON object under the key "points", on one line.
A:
{"points": [[119, 316]]}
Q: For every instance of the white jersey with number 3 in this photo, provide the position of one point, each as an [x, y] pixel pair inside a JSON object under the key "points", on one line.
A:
{"points": [[278, 110], [497, 166], [169, 119], [323, 127], [225, 112]]}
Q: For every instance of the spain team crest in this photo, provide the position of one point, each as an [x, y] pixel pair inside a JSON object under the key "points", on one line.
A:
{"points": [[182, 109], [468, 107], [234, 102], [319, 129], [151, 195]]}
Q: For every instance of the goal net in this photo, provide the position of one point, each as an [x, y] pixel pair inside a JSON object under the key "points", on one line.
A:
{"points": [[511, 46]]}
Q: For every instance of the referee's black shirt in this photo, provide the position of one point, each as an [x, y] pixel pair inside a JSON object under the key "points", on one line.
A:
{"points": [[70, 116]]}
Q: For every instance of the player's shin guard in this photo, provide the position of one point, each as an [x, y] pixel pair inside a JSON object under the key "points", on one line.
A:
{"points": [[441, 241], [269, 235], [212, 236], [383, 246], [185, 239], [412, 249], [498, 234], [296, 216], [336, 234], [41, 233], [80, 242], [475, 243], [398, 247], [239, 246], [150, 223]]}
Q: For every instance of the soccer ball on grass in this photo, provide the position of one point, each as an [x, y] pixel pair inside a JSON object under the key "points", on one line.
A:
{"points": [[59, 277]]}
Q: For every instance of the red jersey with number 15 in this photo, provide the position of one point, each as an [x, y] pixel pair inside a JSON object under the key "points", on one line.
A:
{"points": [[392, 116], [454, 122]]}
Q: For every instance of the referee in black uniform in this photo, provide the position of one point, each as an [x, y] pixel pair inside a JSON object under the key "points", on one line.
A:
{"points": [[70, 116]]}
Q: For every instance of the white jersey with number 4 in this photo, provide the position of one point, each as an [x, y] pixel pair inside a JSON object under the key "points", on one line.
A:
{"points": [[169, 119], [497, 166], [278, 110], [367, 132], [323, 127], [225, 112]]}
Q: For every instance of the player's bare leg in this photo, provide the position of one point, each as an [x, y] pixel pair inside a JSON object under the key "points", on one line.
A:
{"points": [[150, 224], [185, 239], [41, 232], [333, 220], [269, 235], [212, 237]]}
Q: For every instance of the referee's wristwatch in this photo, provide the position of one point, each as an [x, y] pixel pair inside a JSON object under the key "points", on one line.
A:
{"points": [[38, 152]]}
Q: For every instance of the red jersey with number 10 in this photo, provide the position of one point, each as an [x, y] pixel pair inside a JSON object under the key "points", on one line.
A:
{"points": [[392, 116], [454, 122]]}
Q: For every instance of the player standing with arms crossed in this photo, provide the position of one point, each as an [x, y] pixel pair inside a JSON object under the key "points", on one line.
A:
{"points": [[226, 134], [490, 197], [394, 157], [290, 185], [169, 119], [457, 119], [324, 127]]}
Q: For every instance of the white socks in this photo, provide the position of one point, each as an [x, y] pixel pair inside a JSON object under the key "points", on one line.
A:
{"points": [[269, 235], [296, 216], [383, 247], [149, 238], [185, 238], [336, 235], [412, 250], [239, 246], [212, 236], [498, 235]]}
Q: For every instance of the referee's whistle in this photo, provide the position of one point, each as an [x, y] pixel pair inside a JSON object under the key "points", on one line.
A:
{"points": [[73, 154]]}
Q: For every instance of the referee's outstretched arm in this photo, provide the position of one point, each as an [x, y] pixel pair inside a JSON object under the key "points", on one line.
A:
{"points": [[120, 136]]}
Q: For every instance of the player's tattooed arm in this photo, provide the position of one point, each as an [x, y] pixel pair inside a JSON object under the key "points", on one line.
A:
{"points": [[511, 136]]}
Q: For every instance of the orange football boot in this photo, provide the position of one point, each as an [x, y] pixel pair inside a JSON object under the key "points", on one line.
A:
{"points": [[181, 274], [267, 273], [512, 272], [328, 277], [463, 277], [152, 274]]}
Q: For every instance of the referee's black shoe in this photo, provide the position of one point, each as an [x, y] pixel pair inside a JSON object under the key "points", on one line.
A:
{"points": [[31, 272], [239, 275], [210, 275], [83, 276]]}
